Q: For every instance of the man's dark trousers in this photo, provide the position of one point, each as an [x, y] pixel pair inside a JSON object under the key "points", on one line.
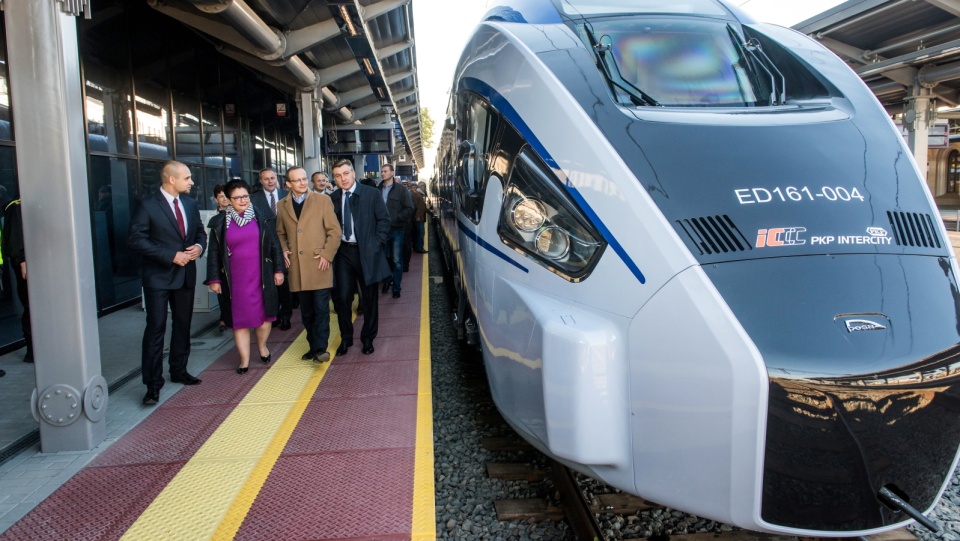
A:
{"points": [[347, 271], [181, 306], [315, 311]]}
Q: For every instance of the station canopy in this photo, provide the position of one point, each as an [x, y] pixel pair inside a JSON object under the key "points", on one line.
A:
{"points": [[357, 55], [900, 48]]}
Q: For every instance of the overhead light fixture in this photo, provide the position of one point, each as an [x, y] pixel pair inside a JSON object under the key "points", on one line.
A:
{"points": [[349, 22], [366, 64], [380, 92]]}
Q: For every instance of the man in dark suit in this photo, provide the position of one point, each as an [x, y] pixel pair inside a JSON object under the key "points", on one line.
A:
{"points": [[267, 197], [365, 223], [166, 231]]}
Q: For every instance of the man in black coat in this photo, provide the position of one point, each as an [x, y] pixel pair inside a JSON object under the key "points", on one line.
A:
{"points": [[400, 207], [267, 197], [166, 231], [15, 257], [365, 224]]}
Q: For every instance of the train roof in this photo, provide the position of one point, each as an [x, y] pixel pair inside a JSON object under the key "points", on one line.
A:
{"points": [[556, 11]]}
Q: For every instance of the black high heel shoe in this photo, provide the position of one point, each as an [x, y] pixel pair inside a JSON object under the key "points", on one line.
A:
{"points": [[266, 360], [242, 370]]}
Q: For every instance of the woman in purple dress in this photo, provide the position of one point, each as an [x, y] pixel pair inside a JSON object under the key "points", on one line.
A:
{"points": [[244, 267]]}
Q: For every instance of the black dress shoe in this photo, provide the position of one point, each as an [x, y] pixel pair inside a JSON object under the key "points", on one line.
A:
{"points": [[285, 324], [151, 398], [367, 349], [242, 369], [2, 373], [28, 358], [386, 285], [342, 350], [266, 359], [396, 294], [308, 356], [275, 323], [186, 379]]}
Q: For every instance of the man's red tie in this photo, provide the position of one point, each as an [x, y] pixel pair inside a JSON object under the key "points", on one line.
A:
{"points": [[180, 223]]}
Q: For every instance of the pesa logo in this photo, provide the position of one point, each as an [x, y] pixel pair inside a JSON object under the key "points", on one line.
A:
{"points": [[857, 325]]}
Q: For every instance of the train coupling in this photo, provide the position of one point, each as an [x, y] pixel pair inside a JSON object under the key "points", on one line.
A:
{"points": [[893, 501], [473, 336]]}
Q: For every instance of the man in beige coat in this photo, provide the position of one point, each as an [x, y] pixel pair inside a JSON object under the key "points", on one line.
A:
{"points": [[310, 236]]}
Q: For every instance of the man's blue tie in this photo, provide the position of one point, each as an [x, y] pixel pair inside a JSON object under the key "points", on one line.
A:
{"points": [[347, 218]]}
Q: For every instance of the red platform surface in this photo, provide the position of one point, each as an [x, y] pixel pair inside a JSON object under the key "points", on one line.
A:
{"points": [[346, 472]]}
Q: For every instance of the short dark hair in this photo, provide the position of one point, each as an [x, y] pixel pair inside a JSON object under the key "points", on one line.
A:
{"points": [[265, 169], [390, 165], [219, 189], [233, 186], [341, 162]]}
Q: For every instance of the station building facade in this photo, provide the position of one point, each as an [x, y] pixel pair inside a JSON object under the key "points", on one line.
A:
{"points": [[153, 90]]}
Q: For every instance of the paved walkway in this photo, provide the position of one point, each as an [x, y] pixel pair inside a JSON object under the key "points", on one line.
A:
{"points": [[30, 476], [290, 450]]}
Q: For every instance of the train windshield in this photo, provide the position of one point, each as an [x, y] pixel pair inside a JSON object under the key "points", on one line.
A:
{"points": [[679, 62], [605, 7]]}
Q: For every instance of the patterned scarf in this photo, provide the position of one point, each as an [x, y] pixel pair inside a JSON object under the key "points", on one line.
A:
{"points": [[240, 220]]}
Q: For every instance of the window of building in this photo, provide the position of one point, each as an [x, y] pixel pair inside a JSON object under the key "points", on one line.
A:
{"points": [[109, 109]]}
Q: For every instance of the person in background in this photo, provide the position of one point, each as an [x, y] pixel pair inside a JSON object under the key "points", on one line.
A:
{"points": [[400, 207], [6, 285], [220, 197], [408, 231], [365, 224], [369, 180], [167, 233], [15, 256], [244, 267], [309, 237], [419, 218], [223, 203], [321, 183], [267, 197]]}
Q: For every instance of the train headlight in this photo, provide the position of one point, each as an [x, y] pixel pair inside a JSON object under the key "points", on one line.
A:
{"points": [[553, 242], [528, 215], [540, 220]]}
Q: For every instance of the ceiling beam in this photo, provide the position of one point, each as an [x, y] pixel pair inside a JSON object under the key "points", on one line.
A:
{"points": [[950, 6]]}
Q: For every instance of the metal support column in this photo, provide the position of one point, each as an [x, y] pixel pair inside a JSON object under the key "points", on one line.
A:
{"points": [[917, 118], [70, 399], [310, 126]]}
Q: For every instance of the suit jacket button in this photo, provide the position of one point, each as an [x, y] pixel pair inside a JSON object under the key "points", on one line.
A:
{"points": [[299, 230], [301, 252]]}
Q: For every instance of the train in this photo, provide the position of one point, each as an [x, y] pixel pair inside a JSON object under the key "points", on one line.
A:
{"points": [[701, 264]]}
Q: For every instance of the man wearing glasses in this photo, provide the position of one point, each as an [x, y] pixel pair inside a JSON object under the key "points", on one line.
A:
{"points": [[309, 237]]}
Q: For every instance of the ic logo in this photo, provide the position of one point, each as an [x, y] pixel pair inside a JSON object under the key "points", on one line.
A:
{"points": [[780, 236], [857, 325]]}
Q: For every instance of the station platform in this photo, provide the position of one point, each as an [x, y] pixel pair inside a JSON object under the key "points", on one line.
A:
{"points": [[290, 450]]}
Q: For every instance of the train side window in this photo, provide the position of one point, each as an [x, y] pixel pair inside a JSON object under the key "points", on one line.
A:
{"points": [[467, 179], [478, 140]]}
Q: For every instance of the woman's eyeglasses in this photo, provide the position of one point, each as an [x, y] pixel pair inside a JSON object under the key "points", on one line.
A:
{"points": [[240, 198]]}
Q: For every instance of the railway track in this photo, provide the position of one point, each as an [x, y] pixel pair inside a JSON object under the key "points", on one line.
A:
{"points": [[582, 513]]}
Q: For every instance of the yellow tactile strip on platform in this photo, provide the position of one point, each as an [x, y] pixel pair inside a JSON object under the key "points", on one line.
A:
{"points": [[210, 496], [424, 523]]}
